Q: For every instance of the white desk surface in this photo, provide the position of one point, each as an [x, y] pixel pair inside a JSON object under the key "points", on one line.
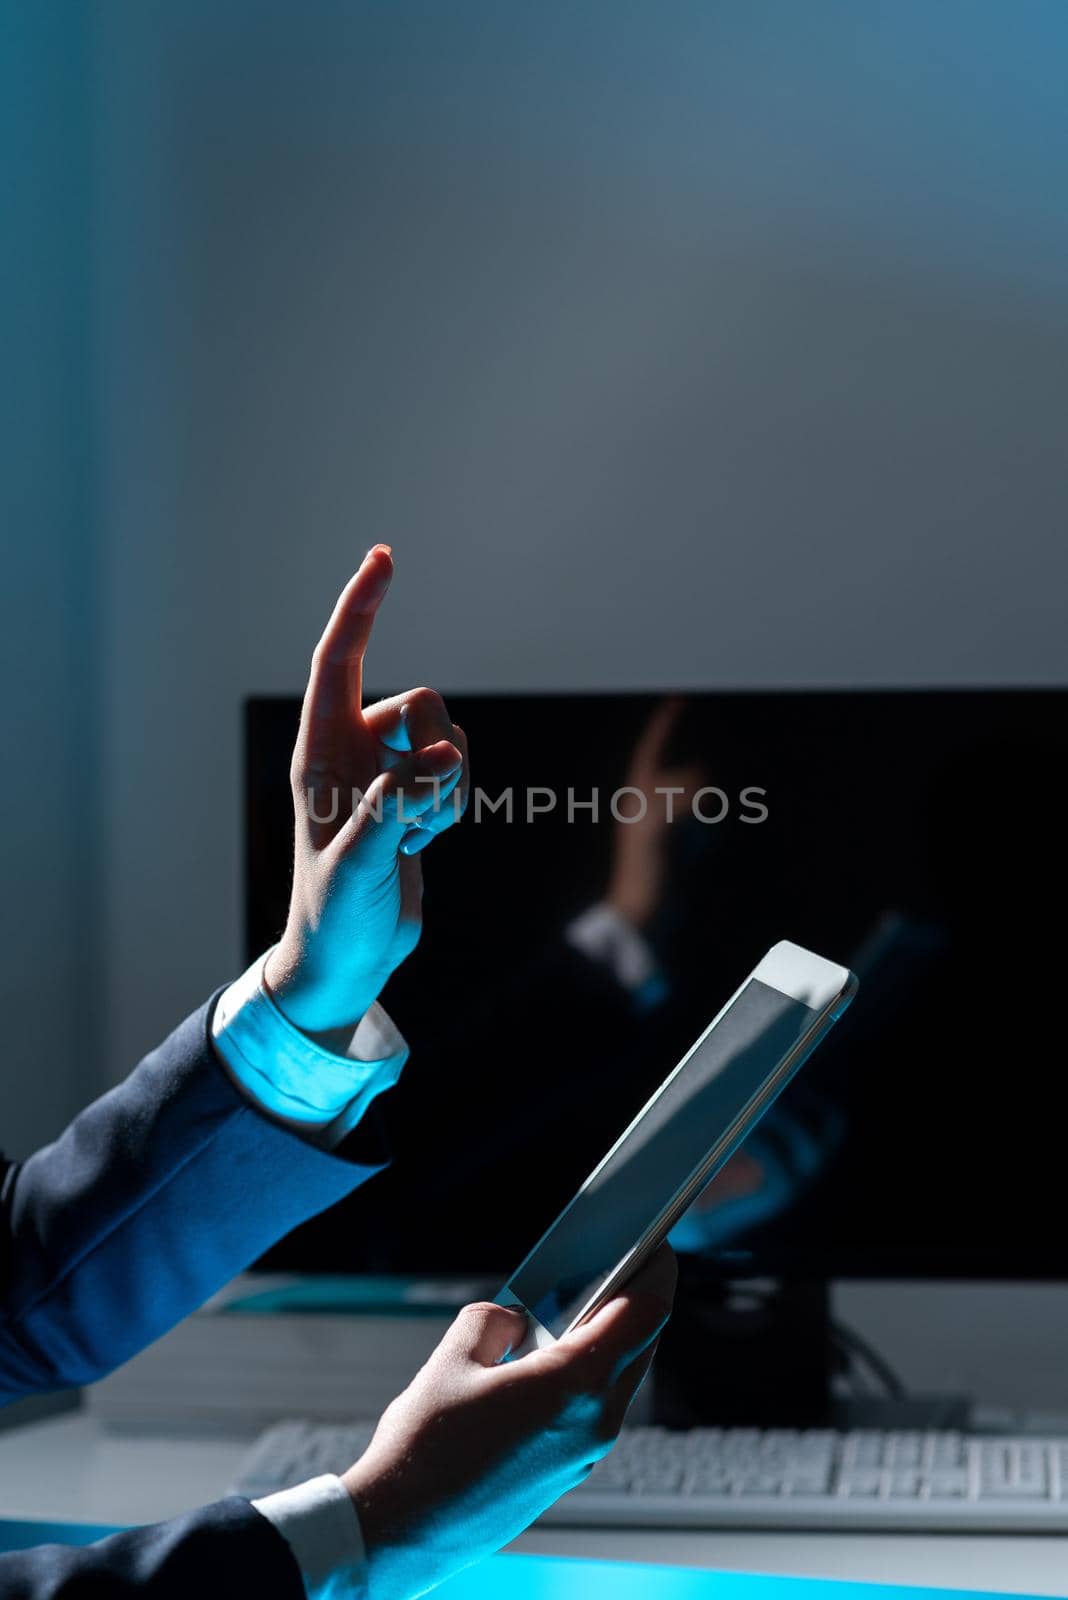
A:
{"points": [[67, 1470]]}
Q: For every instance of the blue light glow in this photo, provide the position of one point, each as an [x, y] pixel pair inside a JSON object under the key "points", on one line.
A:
{"points": [[513, 1577]]}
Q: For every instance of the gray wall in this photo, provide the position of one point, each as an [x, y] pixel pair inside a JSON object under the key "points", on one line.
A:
{"points": [[48, 819]]}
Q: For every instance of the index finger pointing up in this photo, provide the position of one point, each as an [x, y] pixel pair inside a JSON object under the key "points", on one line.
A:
{"points": [[653, 741], [336, 679]]}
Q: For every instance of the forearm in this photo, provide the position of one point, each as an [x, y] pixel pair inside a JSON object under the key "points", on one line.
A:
{"points": [[154, 1197]]}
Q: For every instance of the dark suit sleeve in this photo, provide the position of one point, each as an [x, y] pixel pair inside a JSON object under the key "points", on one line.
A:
{"points": [[223, 1549], [153, 1198]]}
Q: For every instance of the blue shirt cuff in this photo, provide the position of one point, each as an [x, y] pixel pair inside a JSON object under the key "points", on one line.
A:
{"points": [[318, 1094]]}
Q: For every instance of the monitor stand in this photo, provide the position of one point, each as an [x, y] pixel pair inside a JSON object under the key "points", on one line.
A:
{"points": [[760, 1354]]}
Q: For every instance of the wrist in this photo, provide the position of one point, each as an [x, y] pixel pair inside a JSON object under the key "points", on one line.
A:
{"points": [[325, 1006], [359, 1489], [369, 1493]]}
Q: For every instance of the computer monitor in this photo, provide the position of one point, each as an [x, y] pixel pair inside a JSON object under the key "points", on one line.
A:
{"points": [[915, 836]]}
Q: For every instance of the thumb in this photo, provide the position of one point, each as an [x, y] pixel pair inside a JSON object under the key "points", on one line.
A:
{"points": [[628, 1324], [397, 798]]}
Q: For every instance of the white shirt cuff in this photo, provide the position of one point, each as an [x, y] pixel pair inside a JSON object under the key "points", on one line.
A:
{"points": [[606, 937], [318, 1521], [318, 1094]]}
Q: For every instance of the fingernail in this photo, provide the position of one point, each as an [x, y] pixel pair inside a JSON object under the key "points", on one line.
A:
{"points": [[413, 843]]}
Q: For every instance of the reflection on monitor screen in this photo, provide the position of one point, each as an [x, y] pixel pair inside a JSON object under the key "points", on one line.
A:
{"points": [[576, 941]]}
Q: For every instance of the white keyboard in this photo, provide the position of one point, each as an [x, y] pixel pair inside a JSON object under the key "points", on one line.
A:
{"points": [[760, 1478]]}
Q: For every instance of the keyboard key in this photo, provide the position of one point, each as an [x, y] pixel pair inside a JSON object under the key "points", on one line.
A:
{"points": [[707, 1483], [906, 1450], [797, 1482], [865, 1450], [947, 1450], [947, 1485], [658, 1480], [861, 1483]]}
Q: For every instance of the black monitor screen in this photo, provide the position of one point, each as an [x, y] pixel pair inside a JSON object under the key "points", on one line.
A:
{"points": [[576, 941]]}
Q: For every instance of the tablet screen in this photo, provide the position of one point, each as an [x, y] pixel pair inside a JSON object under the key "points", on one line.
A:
{"points": [[660, 1152]]}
